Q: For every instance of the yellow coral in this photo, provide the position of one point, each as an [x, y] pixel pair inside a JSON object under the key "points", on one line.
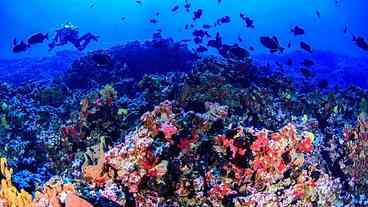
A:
{"points": [[9, 195]]}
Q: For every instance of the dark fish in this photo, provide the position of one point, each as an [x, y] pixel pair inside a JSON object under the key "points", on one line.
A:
{"points": [[37, 38], [197, 40], [185, 40], [191, 25], [289, 45], [224, 20], [271, 43], [251, 48], [305, 46], [307, 73], [200, 33], [323, 84], [248, 21], [153, 21], [360, 42], [138, 2], [21, 47], [234, 52], [187, 6], [186, 26], [201, 49], [289, 62], [197, 14], [278, 64], [157, 14], [101, 60], [240, 39], [219, 1], [297, 30], [123, 18], [345, 29], [206, 26], [318, 14], [237, 52], [175, 8], [307, 62], [92, 5], [216, 43]]}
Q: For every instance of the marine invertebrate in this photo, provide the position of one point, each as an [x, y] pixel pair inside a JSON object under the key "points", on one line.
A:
{"points": [[9, 195]]}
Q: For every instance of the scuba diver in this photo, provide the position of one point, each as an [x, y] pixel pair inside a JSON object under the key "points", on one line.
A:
{"points": [[70, 33]]}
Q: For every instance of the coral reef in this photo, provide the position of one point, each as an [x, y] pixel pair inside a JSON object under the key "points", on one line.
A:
{"points": [[114, 130]]}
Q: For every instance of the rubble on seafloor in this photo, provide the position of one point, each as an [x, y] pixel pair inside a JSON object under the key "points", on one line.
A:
{"points": [[213, 132]]}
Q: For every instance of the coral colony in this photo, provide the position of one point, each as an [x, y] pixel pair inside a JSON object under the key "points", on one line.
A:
{"points": [[212, 132]]}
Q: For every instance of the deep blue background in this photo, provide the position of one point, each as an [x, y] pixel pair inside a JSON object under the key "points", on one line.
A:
{"points": [[21, 18]]}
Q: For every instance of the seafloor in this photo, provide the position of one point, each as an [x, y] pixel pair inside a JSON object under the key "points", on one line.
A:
{"points": [[127, 127]]}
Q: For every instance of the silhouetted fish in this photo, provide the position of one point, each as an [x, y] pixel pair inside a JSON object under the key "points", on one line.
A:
{"points": [[138, 2], [101, 60], [92, 5], [238, 52], [201, 49], [297, 30], [271, 43], [240, 39], [305, 46], [197, 14], [323, 84], [200, 33], [224, 20], [37, 38], [307, 62], [249, 23], [216, 43], [21, 47], [187, 6], [360, 42], [206, 26], [153, 21], [289, 62], [197, 40], [123, 18], [175, 8], [307, 73], [251, 48], [345, 29], [289, 45], [318, 14]]}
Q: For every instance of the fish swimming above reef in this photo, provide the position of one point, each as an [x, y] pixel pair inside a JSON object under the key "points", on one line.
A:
{"points": [[361, 42], [318, 14], [175, 8], [21, 47], [249, 23], [197, 14], [305, 46], [297, 30], [37, 38], [200, 33], [307, 62], [223, 20], [201, 49], [271, 43], [216, 43]]}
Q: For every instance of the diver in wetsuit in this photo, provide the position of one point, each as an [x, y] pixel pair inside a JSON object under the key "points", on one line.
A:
{"points": [[70, 33]]}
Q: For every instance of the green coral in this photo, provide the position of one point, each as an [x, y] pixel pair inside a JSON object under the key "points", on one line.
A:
{"points": [[4, 122], [108, 92], [123, 112]]}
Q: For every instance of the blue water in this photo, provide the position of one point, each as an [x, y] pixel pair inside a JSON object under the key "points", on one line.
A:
{"points": [[22, 18]]}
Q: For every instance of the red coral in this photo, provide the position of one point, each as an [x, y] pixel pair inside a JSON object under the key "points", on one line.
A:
{"points": [[305, 146], [260, 142], [169, 130]]}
